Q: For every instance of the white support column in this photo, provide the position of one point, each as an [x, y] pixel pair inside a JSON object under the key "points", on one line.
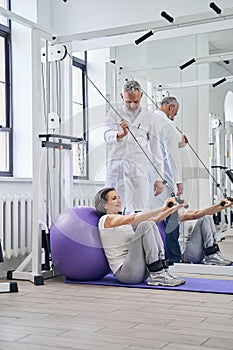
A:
{"points": [[203, 124], [37, 127]]}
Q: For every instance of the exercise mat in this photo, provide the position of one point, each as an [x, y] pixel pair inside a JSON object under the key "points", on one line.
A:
{"points": [[204, 285]]}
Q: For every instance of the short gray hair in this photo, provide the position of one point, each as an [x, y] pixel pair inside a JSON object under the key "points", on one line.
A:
{"points": [[168, 100], [101, 199], [131, 86]]}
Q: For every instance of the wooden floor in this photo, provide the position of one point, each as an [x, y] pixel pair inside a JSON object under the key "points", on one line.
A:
{"points": [[64, 316]]}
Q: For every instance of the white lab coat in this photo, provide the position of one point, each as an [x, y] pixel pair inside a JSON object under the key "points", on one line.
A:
{"points": [[127, 165], [169, 140]]}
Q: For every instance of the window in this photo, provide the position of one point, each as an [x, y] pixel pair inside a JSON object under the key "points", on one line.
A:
{"points": [[79, 105], [6, 168]]}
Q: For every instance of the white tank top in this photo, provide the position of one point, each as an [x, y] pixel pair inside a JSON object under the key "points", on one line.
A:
{"points": [[115, 242]]}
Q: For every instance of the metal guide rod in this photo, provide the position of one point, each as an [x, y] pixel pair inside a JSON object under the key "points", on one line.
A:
{"points": [[217, 184], [214, 180]]}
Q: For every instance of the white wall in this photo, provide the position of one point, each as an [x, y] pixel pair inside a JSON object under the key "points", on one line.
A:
{"points": [[44, 15], [25, 8]]}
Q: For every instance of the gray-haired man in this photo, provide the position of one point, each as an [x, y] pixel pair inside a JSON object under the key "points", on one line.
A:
{"points": [[170, 141], [127, 165]]}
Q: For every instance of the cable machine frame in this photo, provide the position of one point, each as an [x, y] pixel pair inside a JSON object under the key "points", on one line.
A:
{"points": [[44, 50]]}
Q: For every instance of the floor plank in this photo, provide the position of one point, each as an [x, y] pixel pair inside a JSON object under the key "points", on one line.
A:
{"points": [[58, 315]]}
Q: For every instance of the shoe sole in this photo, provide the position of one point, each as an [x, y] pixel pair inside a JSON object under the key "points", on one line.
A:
{"points": [[226, 264], [164, 284]]}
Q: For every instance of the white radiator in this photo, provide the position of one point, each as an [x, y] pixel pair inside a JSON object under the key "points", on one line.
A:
{"points": [[15, 224]]}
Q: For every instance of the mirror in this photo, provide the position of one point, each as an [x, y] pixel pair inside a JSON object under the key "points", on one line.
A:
{"points": [[155, 64]]}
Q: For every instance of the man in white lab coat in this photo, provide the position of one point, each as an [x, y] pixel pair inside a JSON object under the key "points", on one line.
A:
{"points": [[170, 141], [127, 165]]}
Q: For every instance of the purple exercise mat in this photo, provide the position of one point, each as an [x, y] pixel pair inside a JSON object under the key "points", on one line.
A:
{"points": [[192, 285]]}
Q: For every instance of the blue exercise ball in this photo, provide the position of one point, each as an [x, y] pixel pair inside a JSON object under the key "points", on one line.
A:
{"points": [[76, 248]]}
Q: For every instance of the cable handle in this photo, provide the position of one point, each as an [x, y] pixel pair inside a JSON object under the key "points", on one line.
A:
{"points": [[230, 199], [178, 200]]}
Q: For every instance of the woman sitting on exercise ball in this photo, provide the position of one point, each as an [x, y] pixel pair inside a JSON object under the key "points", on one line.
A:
{"points": [[132, 243]]}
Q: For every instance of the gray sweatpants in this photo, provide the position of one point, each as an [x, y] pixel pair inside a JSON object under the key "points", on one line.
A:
{"points": [[204, 235], [146, 248]]}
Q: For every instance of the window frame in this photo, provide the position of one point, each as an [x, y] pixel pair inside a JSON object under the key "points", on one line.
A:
{"points": [[5, 32]]}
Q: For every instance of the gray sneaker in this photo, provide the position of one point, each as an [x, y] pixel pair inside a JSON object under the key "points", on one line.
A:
{"points": [[163, 279], [229, 262], [216, 259], [177, 278]]}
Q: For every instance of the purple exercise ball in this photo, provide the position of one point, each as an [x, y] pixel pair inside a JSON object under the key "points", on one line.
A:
{"points": [[76, 248]]}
